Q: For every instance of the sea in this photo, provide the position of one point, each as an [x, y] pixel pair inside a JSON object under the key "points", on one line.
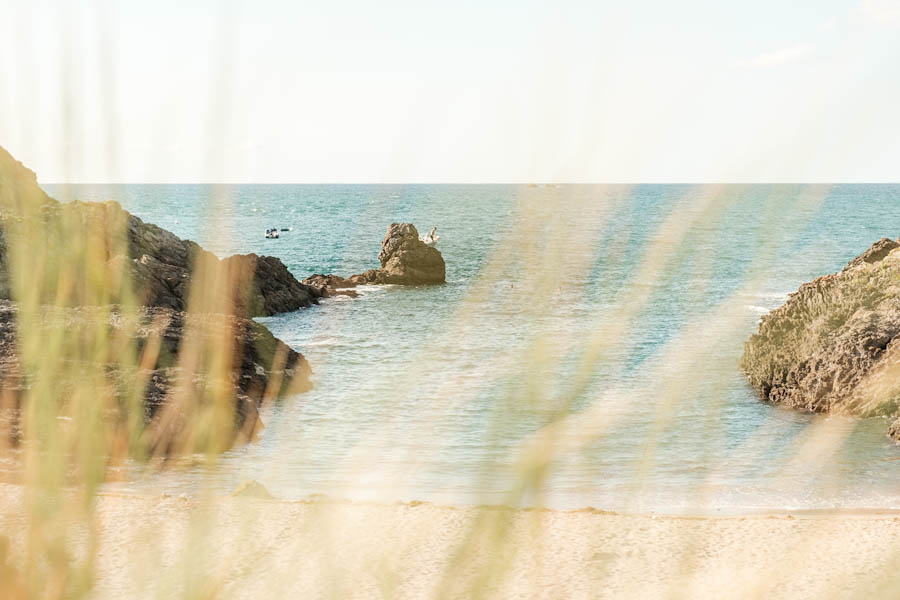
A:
{"points": [[582, 353]]}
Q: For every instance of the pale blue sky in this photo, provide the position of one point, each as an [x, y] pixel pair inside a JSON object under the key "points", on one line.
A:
{"points": [[351, 91]]}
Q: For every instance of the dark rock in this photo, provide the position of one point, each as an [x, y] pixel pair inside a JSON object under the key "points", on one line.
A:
{"points": [[331, 285], [261, 366], [160, 263], [83, 267], [834, 346], [274, 289], [163, 264]]}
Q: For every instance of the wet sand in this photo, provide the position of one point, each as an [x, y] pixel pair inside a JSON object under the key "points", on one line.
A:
{"points": [[253, 548]]}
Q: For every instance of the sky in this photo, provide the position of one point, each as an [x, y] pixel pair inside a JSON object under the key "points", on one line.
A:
{"points": [[346, 91]]}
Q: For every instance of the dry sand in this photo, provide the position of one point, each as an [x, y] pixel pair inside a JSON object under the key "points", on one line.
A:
{"points": [[163, 547]]}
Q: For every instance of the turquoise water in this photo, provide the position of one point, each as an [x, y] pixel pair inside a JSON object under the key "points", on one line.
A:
{"points": [[605, 322]]}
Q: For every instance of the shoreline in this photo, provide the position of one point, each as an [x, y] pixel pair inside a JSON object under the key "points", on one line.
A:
{"points": [[762, 513], [250, 547], [317, 499]]}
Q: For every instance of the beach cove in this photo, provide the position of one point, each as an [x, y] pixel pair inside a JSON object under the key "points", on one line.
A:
{"points": [[430, 393]]}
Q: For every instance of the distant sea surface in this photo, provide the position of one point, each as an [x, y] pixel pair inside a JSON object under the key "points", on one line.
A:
{"points": [[617, 312]]}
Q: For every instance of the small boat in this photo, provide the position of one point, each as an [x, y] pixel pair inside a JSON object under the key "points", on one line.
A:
{"points": [[287, 228], [272, 234], [431, 238]]}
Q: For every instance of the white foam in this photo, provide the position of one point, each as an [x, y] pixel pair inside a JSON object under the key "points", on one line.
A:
{"points": [[325, 342]]}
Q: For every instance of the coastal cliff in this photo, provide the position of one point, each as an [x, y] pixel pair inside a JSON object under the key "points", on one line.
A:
{"points": [[834, 346], [162, 263], [93, 272]]}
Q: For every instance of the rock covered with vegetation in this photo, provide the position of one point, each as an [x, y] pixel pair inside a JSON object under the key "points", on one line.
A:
{"points": [[834, 346]]}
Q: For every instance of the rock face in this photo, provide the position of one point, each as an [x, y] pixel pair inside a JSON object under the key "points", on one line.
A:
{"points": [[260, 365], [162, 263], [79, 263], [407, 260], [273, 288], [404, 258], [327, 286], [835, 344]]}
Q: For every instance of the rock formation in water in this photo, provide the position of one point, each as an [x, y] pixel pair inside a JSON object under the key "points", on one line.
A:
{"points": [[160, 263], [327, 286], [84, 261], [404, 258], [834, 346]]}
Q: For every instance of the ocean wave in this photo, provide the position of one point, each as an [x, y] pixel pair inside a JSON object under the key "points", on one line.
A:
{"points": [[327, 342]]}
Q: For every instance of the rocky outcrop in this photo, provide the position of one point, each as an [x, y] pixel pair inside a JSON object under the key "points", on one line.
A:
{"points": [[272, 290], [404, 258], [170, 385], [875, 254], [96, 269], [162, 264], [834, 346], [331, 285]]}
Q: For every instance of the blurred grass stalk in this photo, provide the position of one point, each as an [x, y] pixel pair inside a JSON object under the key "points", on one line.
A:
{"points": [[83, 377], [82, 416], [81, 419]]}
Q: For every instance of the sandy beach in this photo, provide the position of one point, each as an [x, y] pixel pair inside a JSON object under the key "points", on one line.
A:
{"points": [[165, 546]]}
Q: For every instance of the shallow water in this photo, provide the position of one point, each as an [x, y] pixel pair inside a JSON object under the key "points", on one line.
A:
{"points": [[616, 312]]}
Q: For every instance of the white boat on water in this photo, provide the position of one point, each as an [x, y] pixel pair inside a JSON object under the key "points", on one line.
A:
{"points": [[431, 238], [272, 234]]}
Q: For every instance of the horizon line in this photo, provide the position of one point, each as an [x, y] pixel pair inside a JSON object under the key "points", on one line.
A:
{"points": [[473, 183]]}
